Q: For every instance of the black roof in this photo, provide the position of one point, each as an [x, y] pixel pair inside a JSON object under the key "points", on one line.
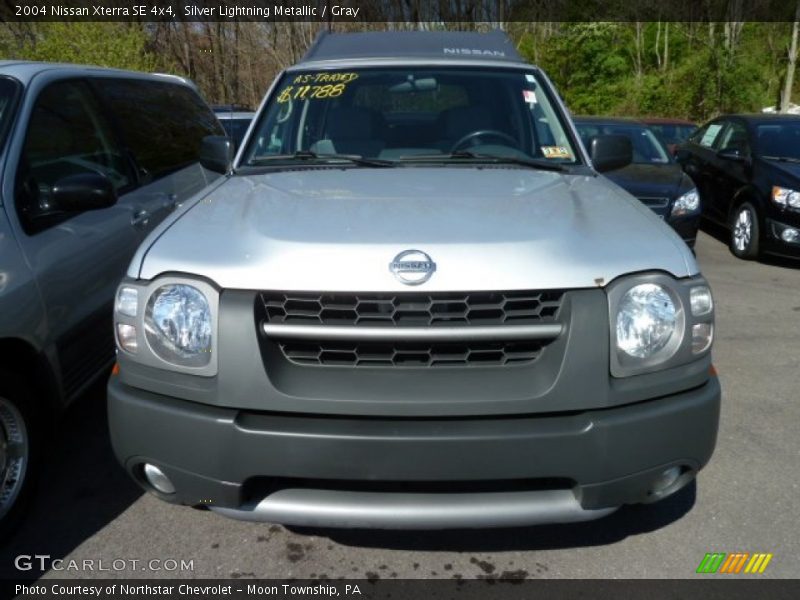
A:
{"points": [[494, 45], [609, 120], [755, 118], [231, 108]]}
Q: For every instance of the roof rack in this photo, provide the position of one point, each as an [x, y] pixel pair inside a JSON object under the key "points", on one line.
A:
{"points": [[231, 108], [437, 45]]}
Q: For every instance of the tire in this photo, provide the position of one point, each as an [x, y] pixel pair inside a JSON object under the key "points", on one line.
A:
{"points": [[19, 451], [745, 232]]}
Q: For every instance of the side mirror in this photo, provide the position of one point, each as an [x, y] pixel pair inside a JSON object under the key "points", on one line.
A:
{"points": [[216, 153], [84, 191], [611, 152]]}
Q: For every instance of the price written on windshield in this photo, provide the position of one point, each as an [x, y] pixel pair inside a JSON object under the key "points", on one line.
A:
{"points": [[316, 86]]}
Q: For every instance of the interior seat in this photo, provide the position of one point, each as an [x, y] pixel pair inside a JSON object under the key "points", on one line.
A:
{"points": [[352, 130]]}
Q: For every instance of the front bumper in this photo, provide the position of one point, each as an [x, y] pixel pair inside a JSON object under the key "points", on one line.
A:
{"points": [[340, 471], [773, 244], [686, 226]]}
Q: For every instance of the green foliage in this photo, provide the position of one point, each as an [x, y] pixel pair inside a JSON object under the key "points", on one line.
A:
{"points": [[613, 68], [688, 70], [119, 45]]}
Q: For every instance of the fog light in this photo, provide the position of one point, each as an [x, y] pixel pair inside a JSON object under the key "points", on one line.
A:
{"points": [[126, 336], [790, 235], [702, 336], [158, 480], [666, 479]]}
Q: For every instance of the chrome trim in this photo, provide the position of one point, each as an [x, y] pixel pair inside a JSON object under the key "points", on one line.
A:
{"points": [[329, 508], [546, 331], [14, 455]]}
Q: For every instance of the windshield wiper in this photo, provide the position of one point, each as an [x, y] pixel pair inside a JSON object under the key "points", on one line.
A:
{"points": [[782, 158], [310, 155], [491, 158]]}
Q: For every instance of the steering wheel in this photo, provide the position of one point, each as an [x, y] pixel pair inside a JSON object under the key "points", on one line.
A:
{"points": [[485, 133]]}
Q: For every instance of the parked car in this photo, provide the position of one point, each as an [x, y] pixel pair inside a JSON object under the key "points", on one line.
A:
{"points": [[413, 303], [235, 124], [747, 168], [653, 177], [92, 160], [672, 132]]}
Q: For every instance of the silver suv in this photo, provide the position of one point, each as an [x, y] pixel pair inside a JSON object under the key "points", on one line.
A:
{"points": [[91, 161], [413, 302]]}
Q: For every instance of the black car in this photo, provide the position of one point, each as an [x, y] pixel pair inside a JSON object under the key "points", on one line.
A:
{"points": [[235, 119], [747, 169], [653, 177]]}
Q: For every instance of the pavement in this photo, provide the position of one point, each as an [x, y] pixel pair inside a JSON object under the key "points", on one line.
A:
{"points": [[745, 500]]}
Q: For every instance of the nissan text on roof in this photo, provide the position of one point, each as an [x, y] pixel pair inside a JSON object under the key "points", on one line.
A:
{"points": [[413, 302]]}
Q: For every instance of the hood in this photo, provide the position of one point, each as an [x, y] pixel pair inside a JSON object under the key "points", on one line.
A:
{"points": [[650, 180], [486, 229], [790, 170]]}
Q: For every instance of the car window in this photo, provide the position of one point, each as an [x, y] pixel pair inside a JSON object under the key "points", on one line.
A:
{"points": [[707, 136], [647, 149], [672, 133], [235, 128], [9, 92], [587, 131], [396, 113], [734, 139], [778, 140], [163, 124], [67, 134]]}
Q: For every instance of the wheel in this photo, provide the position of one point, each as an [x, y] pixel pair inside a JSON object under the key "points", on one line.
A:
{"points": [[745, 232], [19, 456]]}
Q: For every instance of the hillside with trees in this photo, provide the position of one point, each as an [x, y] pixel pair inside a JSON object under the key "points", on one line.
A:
{"points": [[693, 70]]}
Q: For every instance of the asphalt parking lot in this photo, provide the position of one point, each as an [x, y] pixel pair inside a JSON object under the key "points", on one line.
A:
{"points": [[745, 500]]}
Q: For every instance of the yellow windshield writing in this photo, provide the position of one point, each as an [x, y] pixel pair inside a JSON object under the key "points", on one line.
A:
{"points": [[316, 86]]}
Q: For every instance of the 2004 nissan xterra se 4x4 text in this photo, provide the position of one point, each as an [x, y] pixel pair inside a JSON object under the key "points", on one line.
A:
{"points": [[414, 303]]}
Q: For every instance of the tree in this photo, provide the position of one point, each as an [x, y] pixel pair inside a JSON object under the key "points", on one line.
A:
{"points": [[786, 97], [120, 45]]}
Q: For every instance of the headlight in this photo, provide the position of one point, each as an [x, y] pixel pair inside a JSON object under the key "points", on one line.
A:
{"points": [[646, 320], [177, 324], [658, 322], [785, 197], [686, 203]]}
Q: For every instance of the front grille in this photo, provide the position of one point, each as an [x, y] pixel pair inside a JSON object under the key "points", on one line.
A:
{"points": [[657, 205], [413, 309], [389, 354], [435, 311]]}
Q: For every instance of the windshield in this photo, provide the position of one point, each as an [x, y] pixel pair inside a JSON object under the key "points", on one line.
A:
{"points": [[779, 140], [672, 133], [647, 149], [410, 114]]}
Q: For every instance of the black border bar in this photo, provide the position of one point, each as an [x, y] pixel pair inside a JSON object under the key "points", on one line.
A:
{"points": [[410, 12]]}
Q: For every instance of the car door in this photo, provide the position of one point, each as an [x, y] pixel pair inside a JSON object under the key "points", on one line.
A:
{"points": [[730, 166], [697, 158], [77, 258]]}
